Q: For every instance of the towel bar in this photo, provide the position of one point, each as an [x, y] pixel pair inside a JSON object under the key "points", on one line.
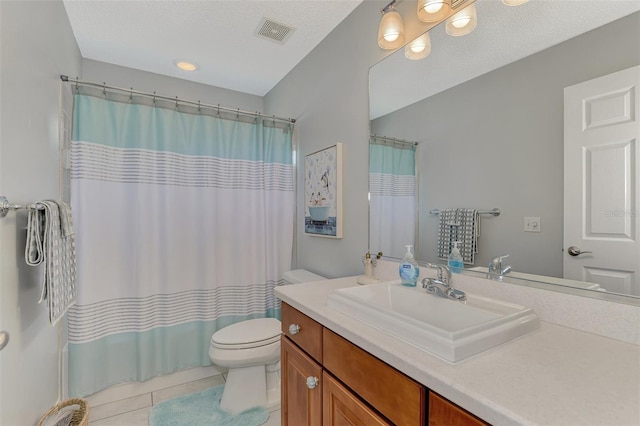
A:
{"points": [[494, 212], [5, 206]]}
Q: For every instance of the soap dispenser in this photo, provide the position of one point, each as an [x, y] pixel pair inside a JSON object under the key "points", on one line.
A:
{"points": [[455, 261], [409, 269]]}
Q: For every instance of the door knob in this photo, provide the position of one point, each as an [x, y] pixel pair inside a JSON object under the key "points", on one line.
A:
{"points": [[575, 251], [312, 382], [294, 329]]}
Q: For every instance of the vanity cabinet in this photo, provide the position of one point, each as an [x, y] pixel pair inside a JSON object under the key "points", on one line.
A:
{"points": [[444, 413], [342, 407], [303, 331], [300, 404], [396, 396], [330, 381]]}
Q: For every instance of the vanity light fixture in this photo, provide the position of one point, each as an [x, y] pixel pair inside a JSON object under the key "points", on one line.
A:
{"points": [[463, 22], [418, 48], [186, 65], [514, 2], [391, 29], [433, 10]]}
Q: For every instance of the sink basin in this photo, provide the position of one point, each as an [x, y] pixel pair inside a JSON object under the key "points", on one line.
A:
{"points": [[446, 328]]}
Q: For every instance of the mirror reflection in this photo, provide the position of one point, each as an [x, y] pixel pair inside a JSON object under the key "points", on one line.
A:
{"points": [[392, 195], [489, 111]]}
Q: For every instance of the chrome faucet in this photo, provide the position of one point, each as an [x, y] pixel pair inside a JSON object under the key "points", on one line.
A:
{"points": [[444, 273], [440, 286], [496, 270]]}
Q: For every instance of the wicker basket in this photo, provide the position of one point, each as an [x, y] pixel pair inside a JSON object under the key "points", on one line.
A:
{"points": [[80, 416]]}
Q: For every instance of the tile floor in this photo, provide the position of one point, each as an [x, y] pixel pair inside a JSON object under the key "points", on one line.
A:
{"points": [[134, 411]]}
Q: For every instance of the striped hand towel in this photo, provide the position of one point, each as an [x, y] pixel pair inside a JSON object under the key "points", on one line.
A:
{"points": [[459, 225], [50, 240]]}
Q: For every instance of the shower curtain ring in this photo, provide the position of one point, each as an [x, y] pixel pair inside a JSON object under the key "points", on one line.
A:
{"points": [[199, 110], [154, 98], [238, 114], [218, 114], [131, 95], [104, 88], [77, 85], [176, 102]]}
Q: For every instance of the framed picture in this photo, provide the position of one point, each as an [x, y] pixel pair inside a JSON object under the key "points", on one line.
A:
{"points": [[323, 192]]}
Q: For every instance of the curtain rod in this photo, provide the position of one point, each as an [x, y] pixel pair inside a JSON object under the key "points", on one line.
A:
{"points": [[166, 98], [394, 140]]}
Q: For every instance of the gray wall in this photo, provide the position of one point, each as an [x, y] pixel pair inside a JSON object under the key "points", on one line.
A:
{"points": [[327, 92], [36, 47], [497, 141], [118, 76]]}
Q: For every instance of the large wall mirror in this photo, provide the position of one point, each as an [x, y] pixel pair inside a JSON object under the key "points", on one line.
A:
{"points": [[487, 111]]}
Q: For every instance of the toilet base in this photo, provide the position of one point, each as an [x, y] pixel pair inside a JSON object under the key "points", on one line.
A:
{"points": [[273, 384], [248, 387]]}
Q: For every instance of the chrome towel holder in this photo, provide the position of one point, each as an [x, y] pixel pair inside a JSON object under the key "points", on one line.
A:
{"points": [[494, 212], [5, 206]]}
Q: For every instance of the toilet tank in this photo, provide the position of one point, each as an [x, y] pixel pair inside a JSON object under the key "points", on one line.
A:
{"points": [[301, 276]]}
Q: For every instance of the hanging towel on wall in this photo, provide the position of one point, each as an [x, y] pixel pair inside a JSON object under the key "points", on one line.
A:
{"points": [[50, 240], [447, 232], [459, 225]]}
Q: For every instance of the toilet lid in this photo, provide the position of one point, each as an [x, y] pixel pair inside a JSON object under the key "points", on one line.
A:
{"points": [[247, 334]]}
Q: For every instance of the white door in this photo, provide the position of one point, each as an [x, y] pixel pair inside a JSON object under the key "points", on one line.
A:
{"points": [[601, 203]]}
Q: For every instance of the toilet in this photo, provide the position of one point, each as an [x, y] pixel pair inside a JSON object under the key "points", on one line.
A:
{"points": [[251, 351]]}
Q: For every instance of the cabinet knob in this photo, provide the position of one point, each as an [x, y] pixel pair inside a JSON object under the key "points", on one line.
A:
{"points": [[294, 329], [312, 382]]}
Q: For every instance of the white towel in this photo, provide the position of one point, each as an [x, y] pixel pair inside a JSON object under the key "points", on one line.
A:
{"points": [[50, 240], [33, 250]]}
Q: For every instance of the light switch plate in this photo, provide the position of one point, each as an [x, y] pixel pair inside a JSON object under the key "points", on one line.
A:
{"points": [[532, 224]]}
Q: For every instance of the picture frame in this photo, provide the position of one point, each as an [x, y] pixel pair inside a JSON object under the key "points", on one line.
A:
{"points": [[323, 192]]}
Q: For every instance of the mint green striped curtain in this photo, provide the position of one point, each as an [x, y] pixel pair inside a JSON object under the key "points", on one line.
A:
{"points": [[392, 197], [184, 224]]}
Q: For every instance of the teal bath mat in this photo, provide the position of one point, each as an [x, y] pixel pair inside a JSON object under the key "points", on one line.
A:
{"points": [[203, 409]]}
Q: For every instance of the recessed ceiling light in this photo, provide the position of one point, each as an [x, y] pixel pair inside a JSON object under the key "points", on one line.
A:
{"points": [[186, 65]]}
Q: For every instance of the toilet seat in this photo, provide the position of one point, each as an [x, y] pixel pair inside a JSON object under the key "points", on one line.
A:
{"points": [[247, 334]]}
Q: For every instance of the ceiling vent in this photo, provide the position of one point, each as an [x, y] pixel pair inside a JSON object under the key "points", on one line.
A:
{"points": [[274, 31]]}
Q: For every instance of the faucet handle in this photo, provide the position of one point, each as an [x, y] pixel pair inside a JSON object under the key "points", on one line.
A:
{"points": [[496, 262], [444, 273], [496, 269], [446, 270]]}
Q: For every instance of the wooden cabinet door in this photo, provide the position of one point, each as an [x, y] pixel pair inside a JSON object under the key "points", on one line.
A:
{"points": [[340, 407], [399, 398], [443, 412], [301, 402]]}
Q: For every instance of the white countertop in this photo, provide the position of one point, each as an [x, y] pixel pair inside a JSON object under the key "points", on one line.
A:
{"points": [[554, 375]]}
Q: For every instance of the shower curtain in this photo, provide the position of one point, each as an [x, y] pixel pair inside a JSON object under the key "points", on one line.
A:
{"points": [[392, 192], [184, 225]]}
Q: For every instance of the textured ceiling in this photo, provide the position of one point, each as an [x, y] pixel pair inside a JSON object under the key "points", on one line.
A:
{"points": [[219, 35], [504, 34]]}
